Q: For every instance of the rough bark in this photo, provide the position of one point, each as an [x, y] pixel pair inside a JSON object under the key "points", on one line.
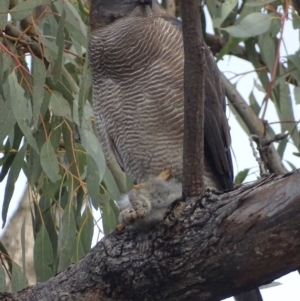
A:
{"points": [[206, 248], [194, 97]]}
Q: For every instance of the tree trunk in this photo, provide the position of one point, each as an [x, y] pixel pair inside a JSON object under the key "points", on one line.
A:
{"points": [[205, 249]]}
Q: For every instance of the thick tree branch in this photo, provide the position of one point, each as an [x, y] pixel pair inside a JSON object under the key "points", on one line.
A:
{"points": [[194, 97], [203, 250], [255, 127], [216, 44]]}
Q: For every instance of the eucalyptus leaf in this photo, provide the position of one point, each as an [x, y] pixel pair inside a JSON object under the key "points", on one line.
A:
{"points": [[60, 106], [24, 8], [39, 77], [23, 243], [250, 26], [21, 109], [297, 95], [7, 119], [111, 185], [2, 279], [92, 181], [11, 181], [222, 12], [241, 176], [18, 280], [49, 161], [86, 230], [109, 218], [66, 238], [60, 41], [258, 3], [43, 255], [93, 148], [4, 4]]}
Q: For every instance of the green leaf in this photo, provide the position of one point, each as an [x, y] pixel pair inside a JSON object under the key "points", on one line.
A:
{"points": [[68, 136], [62, 88], [92, 181], [4, 5], [252, 25], [23, 242], [283, 104], [267, 46], [18, 280], [60, 106], [86, 230], [79, 252], [81, 159], [43, 255], [74, 24], [241, 176], [93, 148], [2, 279], [111, 185], [39, 77], [85, 88], [297, 95], [229, 46], [9, 151], [292, 166], [281, 147], [55, 133], [7, 119], [8, 261], [24, 8], [66, 238], [109, 218], [21, 110], [254, 104], [11, 180], [49, 161], [50, 221], [295, 20], [258, 3], [223, 11], [60, 42]]}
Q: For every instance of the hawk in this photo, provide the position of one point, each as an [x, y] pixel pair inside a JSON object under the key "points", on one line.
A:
{"points": [[137, 59]]}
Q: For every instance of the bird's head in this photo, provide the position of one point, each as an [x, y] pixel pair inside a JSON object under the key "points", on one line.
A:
{"points": [[105, 12]]}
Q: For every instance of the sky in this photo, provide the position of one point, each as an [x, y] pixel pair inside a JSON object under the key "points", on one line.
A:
{"points": [[289, 288]]}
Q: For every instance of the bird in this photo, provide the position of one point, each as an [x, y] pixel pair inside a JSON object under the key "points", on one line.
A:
{"points": [[137, 59], [137, 62]]}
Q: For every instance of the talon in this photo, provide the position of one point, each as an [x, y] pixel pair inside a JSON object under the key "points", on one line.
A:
{"points": [[165, 174], [138, 186], [120, 227]]}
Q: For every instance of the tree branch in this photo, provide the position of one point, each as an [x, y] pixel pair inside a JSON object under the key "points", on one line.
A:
{"points": [[235, 242], [194, 97], [255, 127], [216, 44]]}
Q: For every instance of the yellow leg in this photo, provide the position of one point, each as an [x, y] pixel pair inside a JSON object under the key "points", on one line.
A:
{"points": [[120, 227], [165, 174]]}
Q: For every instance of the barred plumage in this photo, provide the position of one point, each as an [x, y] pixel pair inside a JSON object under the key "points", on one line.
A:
{"points": [[137, 59]]}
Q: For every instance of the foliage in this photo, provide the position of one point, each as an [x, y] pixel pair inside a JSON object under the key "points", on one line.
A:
{"points": [[47, 130], [47, 124]]}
